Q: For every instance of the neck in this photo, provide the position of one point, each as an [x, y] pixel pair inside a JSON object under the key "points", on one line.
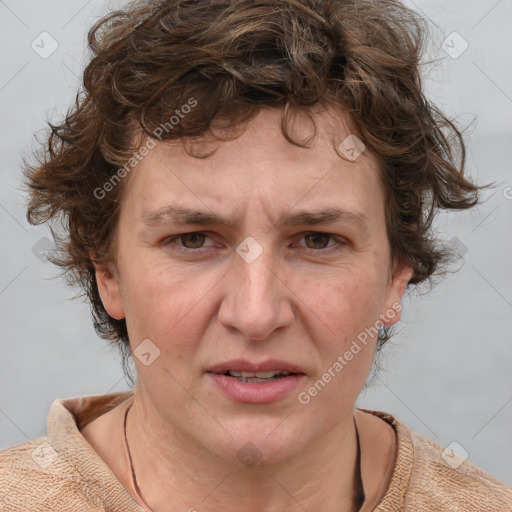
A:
{"points": [[170, 467]]}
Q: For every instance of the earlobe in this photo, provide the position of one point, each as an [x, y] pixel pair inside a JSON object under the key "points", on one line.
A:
{"points": [[396, 290], [110, 293]]}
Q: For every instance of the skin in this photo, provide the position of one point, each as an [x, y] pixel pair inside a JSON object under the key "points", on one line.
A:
{"points": [[302, 300]]}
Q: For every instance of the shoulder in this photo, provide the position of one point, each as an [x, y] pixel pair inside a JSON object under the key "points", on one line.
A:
{"points": [[32, 478], [428, 476], [61, 471], [442, 477]]}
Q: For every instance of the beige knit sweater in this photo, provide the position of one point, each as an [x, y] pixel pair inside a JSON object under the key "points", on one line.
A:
{"points": [[61, 472]]}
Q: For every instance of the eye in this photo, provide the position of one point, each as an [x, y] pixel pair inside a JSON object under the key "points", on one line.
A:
{"points": [[317, 240], [321, 241], [189, 241], [193, 240]]}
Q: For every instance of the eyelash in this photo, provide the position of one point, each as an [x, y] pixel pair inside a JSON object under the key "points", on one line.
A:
{"points": [[340, 242]]}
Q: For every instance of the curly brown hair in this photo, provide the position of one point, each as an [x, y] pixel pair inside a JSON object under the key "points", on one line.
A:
{"points": [[234, 57]]}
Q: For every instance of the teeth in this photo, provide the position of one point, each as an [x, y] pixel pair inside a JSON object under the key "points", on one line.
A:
{"points": [[258, 375], [252, 377], [261, 375]]}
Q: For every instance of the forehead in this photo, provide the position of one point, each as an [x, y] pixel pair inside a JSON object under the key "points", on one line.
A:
{"points": [[261, 170]]}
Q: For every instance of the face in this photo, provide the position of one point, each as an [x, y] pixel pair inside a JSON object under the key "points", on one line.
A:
{"points": [[264, 256]]}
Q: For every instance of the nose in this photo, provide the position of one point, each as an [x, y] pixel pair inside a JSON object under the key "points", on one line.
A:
{"points": [[256, 301]]}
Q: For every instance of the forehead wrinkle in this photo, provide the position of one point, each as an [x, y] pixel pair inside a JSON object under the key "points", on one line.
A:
{"points": [[183, 216]]}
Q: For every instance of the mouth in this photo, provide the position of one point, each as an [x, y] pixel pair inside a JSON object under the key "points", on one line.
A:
{"points": [[257, 383], [257, 377]]}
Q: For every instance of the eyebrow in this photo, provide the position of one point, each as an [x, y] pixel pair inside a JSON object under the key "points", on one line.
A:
{"points": [[182, 216]]}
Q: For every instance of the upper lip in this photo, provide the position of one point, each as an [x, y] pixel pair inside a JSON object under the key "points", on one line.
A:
{"points": [[253, 367]]}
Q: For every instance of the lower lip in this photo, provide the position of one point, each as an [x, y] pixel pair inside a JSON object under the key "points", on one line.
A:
{"points": [[257, 392]]}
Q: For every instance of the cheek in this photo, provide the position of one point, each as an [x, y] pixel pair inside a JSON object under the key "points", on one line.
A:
{"points": [[168, 304], [341, 317], [344, 304]]}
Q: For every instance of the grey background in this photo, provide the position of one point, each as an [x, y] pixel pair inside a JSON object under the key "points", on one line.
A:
{"points": [[447, 374]]}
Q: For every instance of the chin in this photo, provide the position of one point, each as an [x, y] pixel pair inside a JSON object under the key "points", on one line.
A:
{"points": [[259, 442]]}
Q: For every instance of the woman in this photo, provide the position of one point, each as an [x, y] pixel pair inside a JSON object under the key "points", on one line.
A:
{"points": [[249, 189]]}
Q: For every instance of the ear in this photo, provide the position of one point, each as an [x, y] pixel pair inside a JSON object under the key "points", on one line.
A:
{"points": [[396, 288], [109, 290]]}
